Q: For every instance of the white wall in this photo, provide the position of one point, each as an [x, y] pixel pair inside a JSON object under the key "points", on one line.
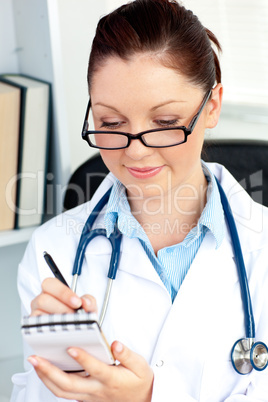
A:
{"points": [[241, 28], [77, 21], [8, 59]]}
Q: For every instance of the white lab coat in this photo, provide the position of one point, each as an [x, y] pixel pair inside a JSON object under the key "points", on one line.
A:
{"points": [[187, 343]]}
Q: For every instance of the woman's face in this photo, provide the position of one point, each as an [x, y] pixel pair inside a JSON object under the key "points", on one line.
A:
{"points": [[141, 94]]}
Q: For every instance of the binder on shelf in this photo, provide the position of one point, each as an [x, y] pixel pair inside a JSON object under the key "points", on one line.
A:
{"points": [[9, 146], [50, 336], [35, 127]]}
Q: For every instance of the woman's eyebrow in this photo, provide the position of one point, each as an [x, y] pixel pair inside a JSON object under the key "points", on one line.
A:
{"points": [[166, 103], [107, 106]]}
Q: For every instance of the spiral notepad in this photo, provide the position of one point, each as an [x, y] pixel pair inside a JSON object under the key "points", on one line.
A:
{"points": [[50, 336]]}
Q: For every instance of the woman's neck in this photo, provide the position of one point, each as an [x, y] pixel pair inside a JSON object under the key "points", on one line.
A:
{"points": [[167, 219]]}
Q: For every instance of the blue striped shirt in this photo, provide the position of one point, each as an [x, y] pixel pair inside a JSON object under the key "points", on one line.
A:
{"points": [[171, 263]]}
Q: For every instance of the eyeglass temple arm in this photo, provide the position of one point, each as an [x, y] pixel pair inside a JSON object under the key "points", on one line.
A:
{"points": [[85, 125], [195, 118]]}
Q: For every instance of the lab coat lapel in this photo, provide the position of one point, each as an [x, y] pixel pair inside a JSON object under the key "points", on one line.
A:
{"points": [[135, 261], [210, 285], [209, 265]]}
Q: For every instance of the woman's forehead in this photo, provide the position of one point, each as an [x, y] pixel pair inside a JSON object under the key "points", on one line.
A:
{"points": [[141, 72]]}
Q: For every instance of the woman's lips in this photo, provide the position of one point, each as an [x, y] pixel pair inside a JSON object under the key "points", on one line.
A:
{"points": [[144, 173]]}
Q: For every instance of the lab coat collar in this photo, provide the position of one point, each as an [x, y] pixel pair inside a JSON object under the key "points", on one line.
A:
{"points": [[210, 262], [248, 215], [134, 260]]}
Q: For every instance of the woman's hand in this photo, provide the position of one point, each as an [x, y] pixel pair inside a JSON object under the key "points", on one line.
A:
{"points": [[57, 298], [131, 380]]}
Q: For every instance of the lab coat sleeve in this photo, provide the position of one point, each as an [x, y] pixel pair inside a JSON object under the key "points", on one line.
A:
{"points": [[27, 386]]}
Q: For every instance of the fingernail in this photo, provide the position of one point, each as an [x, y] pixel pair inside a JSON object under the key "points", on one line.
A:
{"points": [[33, 361], [75, 301], [119, 347], [72, 352]]}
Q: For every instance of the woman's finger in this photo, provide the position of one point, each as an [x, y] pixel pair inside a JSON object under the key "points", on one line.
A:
{"points": [[131, 360], [61, 292], [49, 304], [98, 370], [89, 303], [63, 385]]}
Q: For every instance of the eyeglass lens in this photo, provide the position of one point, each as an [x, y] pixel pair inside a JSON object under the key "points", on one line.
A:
{"points": [[153, 139]]}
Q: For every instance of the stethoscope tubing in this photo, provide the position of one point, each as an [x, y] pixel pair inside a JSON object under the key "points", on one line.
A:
{"points": [[115, 239], [241, 270], [87, 234]]}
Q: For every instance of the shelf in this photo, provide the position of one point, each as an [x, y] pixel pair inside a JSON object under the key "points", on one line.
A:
{"points": [[16, 236]]}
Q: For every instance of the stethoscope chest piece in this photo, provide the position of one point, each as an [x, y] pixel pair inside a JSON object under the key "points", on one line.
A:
{"points": [[259, 356], [247, 355]]}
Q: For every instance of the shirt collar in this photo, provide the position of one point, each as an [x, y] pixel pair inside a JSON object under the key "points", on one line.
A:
{"points": [[212, 217], [118, 210]]}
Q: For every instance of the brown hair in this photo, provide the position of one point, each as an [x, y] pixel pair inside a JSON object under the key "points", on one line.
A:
{"points": [[163, 28]]}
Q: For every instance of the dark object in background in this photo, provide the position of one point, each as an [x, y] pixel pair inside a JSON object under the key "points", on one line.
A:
{"points": [[246, 160]]}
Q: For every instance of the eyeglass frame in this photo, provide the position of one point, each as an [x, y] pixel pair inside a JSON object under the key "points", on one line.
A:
{"points": [[187, 130]]}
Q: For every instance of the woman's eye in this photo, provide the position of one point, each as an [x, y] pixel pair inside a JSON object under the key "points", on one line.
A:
{"points": [[168, 123], [111, 125]]}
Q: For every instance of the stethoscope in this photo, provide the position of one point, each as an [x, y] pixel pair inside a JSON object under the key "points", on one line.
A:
{"points": [[246, 354]]}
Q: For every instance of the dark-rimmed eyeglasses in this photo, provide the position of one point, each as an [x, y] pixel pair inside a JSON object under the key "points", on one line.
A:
{"points": [[155, 138]]}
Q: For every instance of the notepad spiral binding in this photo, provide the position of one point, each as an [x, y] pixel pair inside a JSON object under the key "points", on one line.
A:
{"points": [[54, 322]]}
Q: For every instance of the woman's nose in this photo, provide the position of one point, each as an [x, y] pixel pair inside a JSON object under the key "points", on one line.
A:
{"points": [[137, 150]]}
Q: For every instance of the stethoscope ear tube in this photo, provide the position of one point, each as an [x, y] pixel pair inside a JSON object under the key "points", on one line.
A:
{"points": [[241, 270], [86, 235], [79, 258], [115, 239]]}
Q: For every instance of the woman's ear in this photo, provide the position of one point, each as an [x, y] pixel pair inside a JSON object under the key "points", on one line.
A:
{"points": [[214, 106]]}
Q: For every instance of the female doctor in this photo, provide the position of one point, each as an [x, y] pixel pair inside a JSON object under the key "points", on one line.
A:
{"points": [[175, 309]]}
